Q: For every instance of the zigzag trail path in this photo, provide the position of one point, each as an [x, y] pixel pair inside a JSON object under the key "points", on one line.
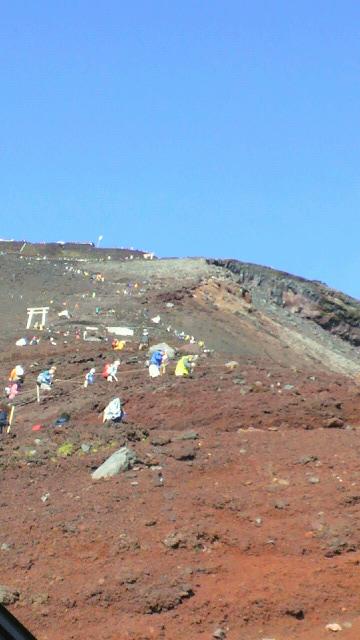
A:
{"points": [[256, 529]]}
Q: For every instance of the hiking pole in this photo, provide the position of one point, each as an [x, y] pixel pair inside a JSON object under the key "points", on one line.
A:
{"points": [[11, 628]]}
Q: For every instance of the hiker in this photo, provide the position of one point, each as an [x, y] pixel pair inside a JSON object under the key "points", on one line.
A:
{"points": [[118, 345], [89, 378], [155, 363], [44, 381], [12, 390], [144, 340], [113, 411], [110, 370], [17, 374], [185, 366], [45, 378], [16, 379], [6, 416]]}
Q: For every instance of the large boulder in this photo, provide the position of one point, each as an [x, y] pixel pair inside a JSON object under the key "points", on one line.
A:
{"points": [[163, 346], [122, 460]]}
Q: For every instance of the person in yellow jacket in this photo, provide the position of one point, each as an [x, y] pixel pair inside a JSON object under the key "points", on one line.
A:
{"points": [[118, 345], [185, 366]]}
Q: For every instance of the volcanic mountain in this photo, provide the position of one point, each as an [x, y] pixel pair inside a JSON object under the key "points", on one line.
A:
{"points": [[239, 517]]}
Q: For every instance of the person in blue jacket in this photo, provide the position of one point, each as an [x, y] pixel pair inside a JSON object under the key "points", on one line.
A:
{"points": [[157, 358], [45, 378], [155, 363], [89, 377]]}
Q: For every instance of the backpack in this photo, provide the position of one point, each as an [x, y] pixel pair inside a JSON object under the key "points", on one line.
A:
{"points": [[106, 371]]}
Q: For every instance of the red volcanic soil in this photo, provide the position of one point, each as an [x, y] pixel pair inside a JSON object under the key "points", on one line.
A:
{"points": [[254, 530]]}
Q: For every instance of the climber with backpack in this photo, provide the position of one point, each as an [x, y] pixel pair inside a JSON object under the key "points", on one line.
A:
{"points": [[45, 378], [44, 381], [17, 374], [114, 411], [89, 377], [156, 362], [185, 366], [110, 370]]}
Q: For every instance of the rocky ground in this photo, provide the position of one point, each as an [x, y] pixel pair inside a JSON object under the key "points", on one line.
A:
{"points": [[239, 518]]}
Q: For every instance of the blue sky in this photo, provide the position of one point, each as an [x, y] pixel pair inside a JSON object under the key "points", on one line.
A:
{"points": [[221, 128]]}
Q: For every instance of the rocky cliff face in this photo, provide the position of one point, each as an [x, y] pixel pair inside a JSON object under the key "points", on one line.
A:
{"points": [[332, 310]]}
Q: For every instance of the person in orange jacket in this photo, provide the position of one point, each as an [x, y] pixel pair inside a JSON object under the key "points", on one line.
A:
{"points": [[17, 374]]}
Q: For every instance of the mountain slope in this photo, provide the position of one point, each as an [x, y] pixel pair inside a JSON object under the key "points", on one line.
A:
{"points": [[254, 528]]}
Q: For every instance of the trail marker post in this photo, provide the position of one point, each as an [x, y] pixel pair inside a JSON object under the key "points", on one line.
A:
{"points": [[11, 417]]}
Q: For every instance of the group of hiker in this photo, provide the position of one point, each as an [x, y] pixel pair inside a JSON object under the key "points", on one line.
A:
{"points": [[109, 373], [157, 364], [160, 359], [157, 367], [15, 381]]}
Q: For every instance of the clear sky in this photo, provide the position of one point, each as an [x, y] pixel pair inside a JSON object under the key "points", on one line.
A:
{"points": [[224, 128]]}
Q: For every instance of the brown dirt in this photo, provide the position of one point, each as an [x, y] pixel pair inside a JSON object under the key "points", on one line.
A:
{"points": [[255, 529]]}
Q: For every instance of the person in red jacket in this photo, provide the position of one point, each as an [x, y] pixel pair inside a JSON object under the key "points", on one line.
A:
{"points": [[110, 370]]}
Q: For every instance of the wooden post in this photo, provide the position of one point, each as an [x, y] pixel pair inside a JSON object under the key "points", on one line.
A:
{"points": [[11, 416]]}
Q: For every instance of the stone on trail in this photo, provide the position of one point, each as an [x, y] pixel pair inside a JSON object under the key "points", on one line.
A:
{"points": [[232, 364], [175, 540], [307, 459], [122, 460], [187, 435], [333, 626], [334, 423], [7, 595], [160, 440], [281, 504], [22, 342], [163, 346], [182, 451]]}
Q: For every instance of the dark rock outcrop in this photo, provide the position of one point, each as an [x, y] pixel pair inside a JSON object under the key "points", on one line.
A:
{"points": [[332, 310]]}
